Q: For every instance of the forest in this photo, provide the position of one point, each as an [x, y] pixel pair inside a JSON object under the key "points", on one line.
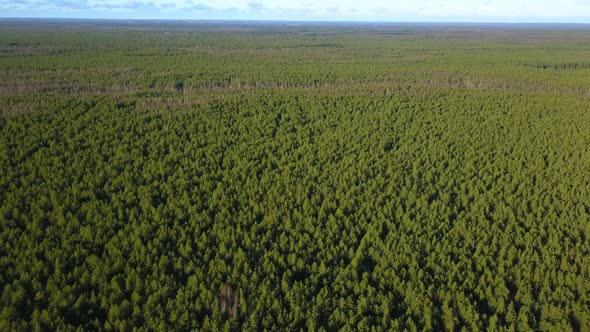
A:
{"points": [[235, 176]]}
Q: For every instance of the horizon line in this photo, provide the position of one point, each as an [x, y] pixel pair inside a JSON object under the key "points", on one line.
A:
{"points": [[246, 20]]}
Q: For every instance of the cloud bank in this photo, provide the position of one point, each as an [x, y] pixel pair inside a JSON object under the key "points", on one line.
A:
{"points": [[388, 10]]}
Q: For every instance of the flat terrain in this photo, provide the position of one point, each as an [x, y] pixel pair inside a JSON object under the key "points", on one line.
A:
{"points": [[167, 175]]}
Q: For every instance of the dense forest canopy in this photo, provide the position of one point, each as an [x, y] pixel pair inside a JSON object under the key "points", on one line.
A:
{"points": [[241, 176]]}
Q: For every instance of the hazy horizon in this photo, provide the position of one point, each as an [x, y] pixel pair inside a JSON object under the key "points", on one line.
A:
{"points": [[294, 21]]}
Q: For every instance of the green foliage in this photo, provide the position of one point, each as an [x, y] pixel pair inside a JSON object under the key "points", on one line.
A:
{"points": [[294, 178]]}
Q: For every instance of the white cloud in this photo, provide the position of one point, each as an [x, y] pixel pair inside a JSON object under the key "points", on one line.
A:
{"points": [[433, 8], [332, 9]]}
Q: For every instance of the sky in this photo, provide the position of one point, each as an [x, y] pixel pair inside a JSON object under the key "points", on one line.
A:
{"points": [[559, 11]]}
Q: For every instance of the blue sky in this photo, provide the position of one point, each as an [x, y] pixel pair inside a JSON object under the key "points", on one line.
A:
{"points": [[315, 10]]}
